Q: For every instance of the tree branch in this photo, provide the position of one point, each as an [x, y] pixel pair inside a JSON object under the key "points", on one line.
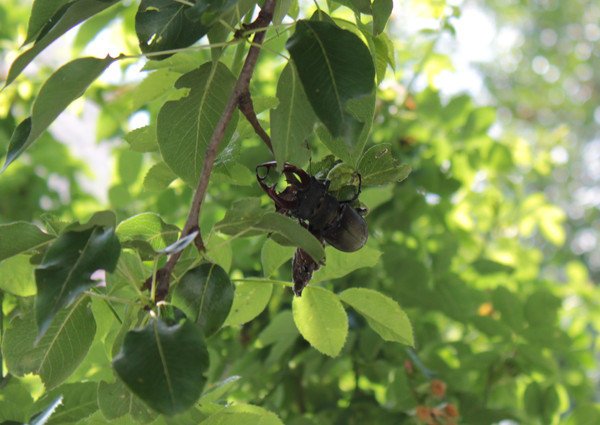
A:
{"points": [[247, 108], [241, 88]]}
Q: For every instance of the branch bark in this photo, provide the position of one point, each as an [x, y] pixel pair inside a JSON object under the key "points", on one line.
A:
{"points": [[240, 90]]}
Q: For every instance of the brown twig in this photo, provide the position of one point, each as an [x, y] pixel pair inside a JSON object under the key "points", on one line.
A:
{"points": [[247, 108], [240, 90]]}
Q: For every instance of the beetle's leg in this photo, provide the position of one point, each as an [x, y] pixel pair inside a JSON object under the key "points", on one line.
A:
{"points": [[355, 197]]}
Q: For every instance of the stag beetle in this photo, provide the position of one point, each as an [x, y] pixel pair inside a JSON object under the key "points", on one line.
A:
{"points": [[329, 219]]}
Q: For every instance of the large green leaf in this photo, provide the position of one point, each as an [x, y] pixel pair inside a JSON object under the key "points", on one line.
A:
{"points": [[383, 314], [334, 66], [377, 166], [20, 237], [58, 353], [64, 86], [205, 295], [66, 269], [185, 126], [293, 120], [164, 365], [61, 21], [321, 319], [249, 300]]}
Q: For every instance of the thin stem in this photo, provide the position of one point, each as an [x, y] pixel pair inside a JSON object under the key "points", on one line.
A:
{"points": [[257, 279], [111, 298], [247, 108], [187, 3]]}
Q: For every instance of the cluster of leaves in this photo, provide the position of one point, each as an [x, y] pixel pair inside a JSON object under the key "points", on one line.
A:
{"points": [[453, 244]]}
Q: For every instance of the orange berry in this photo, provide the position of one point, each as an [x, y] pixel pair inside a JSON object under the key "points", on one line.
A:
{"points": [[438, 388], [451, 411]]}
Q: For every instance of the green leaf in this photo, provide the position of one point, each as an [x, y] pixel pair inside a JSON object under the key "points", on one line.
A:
{"points": [[341, 263], [165, 25], [217, 392], [532, 399], [58, 353], [100, 218], [249, 300], [20, 237], [510, 307], [72, 14], [159, 177], [17, 276], [129, 166], [15, 402], [384, 55], [66, 269], [147, 232], [382, 9], [64, 86], [293, 121], [142, 139], [185, 126], [281, 333], [541, 308], [243, 414], [273, 255], [164, 365], [42, 13], [79, 400], [585, 414], [155, 85], [377, 166], [205, 295], [47, 412], [334, 66], [321, 319], [115, 400], [383, 314]]}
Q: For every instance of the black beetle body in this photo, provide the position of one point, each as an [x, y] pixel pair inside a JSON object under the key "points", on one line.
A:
{"points": [[307, 198]]}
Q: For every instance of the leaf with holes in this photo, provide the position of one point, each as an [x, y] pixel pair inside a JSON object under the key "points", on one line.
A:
{"points": [[377, 166]]}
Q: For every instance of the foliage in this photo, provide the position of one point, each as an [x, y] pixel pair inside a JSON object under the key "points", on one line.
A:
{"points": [[171, 303]]}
